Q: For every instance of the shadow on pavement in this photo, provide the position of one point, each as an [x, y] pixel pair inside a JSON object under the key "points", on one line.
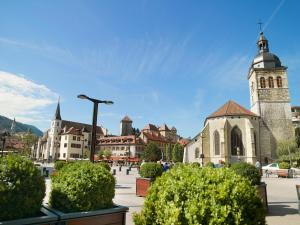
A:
{"points": [[277, 209]]}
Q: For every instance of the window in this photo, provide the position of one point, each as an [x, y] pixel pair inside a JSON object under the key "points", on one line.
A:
{"points": [[65, 145], [74, 138], [255, 149], [197, 152], [262, 82], [74, 155], [217, 142], [73, 145], [64, 156], [279, 82], [78, 138], [57, 124], [271, 82], [237, 147]]}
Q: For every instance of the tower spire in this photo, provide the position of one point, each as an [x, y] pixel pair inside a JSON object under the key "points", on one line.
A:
{"points": [[57, 112]]}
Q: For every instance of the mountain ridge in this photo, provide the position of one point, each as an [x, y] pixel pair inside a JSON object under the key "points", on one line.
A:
{"points": [[5, 124]]}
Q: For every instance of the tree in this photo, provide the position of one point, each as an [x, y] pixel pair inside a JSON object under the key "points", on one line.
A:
{"points": [[152, 153], [28, 140], [107, 153], [168, 153], [297, 136], [100, 154], [286, 147], [177, 153]]}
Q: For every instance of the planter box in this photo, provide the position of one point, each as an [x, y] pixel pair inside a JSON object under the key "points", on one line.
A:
{"points": [[142, 186], [112, 216], [46, 218], [262, 192]]}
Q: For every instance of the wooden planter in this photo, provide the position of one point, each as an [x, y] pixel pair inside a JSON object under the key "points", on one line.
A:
{"points": [[262, 192], [115, 216], [46, 218], [142, 186]]}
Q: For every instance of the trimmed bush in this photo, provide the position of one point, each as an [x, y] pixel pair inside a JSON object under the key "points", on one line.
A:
{"points": [[248, 171], [104, 165], [59, 164], [82, 186], [22, 188], [210, 164], [196, 164], [284, 165], [151, 170], [193, 195]]}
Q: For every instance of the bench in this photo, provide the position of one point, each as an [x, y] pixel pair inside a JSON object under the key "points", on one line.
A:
{"points": [[282, 173]]}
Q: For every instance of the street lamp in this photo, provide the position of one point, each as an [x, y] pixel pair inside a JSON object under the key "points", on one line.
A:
{"points": [[3, 139], [94, 124]]}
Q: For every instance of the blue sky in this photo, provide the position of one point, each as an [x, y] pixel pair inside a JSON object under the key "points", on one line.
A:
{"points": [[172, 62]]}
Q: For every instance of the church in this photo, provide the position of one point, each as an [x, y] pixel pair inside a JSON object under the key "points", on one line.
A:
{"points": [[233, 133]]}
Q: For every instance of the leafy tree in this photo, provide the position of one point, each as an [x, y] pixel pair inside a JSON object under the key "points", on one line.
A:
{"points": [[100, 154], [28, 140], [297, 136], [152, 153], [177, 153], [285, 147], [107, 153]]}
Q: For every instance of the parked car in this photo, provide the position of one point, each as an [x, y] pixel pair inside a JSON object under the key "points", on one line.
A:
{"points": [[271, 168]]}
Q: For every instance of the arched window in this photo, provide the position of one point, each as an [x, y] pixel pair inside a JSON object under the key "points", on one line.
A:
{"points": [[262, 82], [197, 152], [217, 142], [271, 82], [237, 147], [279, 82]]}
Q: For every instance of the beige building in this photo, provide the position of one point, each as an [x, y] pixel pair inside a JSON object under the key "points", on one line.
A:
{"points": [[296, 116], [234, 133], [50, 145]]}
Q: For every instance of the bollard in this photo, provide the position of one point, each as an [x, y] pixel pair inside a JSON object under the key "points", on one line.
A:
{"points": [[120, 168], [114, 171], [129, 168], [298, 194], [127, 172]]}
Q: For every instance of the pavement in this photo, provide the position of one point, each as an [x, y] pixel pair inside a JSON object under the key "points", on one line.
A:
{"points": [[281, 193]]}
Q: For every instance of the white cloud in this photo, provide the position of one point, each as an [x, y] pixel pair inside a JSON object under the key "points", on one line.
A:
{"points": [[24, 99]]}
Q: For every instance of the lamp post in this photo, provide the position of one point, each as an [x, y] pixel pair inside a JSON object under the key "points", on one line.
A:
{"points": [[94, 123], [3, 139]]}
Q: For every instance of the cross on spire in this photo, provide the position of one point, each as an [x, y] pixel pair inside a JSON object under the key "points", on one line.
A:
{"points": [[260, 25]]}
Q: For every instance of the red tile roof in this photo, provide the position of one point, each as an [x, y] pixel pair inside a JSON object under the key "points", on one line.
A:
{"points": [[164, 127], [76, 125], [155, 137], [150, 127], [231, 108]]}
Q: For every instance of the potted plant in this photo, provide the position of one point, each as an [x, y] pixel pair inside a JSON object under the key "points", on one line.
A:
{"points": [[149, 171], [22, 189], [252, 173], [82, 193], [192, 195]]}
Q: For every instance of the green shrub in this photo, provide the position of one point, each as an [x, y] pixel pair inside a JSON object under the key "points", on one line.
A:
{"points": [[104, 164], [59, 164], [22, 188], [248, 171], [82, 186], [196, 164], [284, 165], [193, 195], [151, 170], [210, 164]]}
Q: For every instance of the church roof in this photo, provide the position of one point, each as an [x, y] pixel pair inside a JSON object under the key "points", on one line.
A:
{"points": [[126, 119], [231, 108], [80, 126]]}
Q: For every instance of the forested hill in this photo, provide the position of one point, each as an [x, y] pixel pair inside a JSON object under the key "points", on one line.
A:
{"points": [[5, 123]]}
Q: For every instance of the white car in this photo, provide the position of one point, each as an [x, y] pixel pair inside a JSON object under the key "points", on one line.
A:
{"points": [[271, 168]]}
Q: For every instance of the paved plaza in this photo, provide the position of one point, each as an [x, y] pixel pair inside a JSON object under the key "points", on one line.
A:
{"points": [[282, 197]]}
